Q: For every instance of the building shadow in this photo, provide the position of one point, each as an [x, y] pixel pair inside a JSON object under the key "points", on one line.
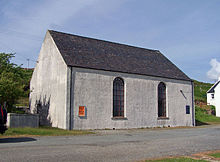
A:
{"points": [[17, 140], [42, 108]]}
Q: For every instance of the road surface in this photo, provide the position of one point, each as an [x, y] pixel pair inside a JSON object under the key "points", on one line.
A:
{"points": [[112, 145]]}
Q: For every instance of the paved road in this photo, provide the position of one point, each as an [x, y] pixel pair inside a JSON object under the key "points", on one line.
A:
{"points": [[117, 145]]}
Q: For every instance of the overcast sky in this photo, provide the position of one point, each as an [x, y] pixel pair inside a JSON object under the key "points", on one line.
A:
{"points": [[186, 31]]}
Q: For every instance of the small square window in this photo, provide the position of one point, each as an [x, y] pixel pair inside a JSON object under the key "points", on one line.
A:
{"points": [[187, 109], [213, 96]]}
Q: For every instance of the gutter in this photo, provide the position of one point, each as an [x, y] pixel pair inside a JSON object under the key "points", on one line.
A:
{"points": [[156, 76]]}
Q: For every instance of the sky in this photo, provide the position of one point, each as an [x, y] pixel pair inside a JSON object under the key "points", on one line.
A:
{"points": [[186, 32]]}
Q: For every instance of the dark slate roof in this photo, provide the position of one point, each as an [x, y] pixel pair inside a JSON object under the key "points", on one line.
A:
{"points": [[97, 54], [212, 89]]}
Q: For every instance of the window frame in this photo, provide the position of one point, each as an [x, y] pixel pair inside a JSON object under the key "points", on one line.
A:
{"points": [[118, 98], [162, 112], [187, 109], [213, 96]]}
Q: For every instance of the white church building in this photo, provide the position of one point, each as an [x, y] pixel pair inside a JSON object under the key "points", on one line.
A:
{"points": [[86, 83], [213, 97]]}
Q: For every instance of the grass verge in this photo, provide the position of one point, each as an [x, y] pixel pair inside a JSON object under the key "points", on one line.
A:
{"points": [[198, 157], [179, 159], [215, 155], [203, 117], [42, 131]]}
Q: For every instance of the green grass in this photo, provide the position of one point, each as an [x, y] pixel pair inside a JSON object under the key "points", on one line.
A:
{"points": [[200, 90], [22, 101], [202, 117], [215, 155], [15, 110], [42, 131], [180, 159]]}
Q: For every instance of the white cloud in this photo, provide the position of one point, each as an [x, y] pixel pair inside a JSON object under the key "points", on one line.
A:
{"points": [[214, 72]]}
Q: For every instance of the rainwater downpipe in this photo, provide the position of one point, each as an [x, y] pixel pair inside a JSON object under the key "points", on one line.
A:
{"points": [[193, 108]]}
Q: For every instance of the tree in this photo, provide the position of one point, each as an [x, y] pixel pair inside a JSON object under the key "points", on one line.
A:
{"points": [[11, 82]]}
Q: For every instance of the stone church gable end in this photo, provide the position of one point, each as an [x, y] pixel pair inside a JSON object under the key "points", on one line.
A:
{"points": [[86, 83]]}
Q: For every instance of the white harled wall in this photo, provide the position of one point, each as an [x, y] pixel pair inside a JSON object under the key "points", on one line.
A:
{"points": [[49, 85], [94, 89], [217, 100], [210, 100]]}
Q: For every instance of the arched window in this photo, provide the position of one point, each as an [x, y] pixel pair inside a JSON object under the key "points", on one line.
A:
{"points": [[161, 100], [118, 97]]}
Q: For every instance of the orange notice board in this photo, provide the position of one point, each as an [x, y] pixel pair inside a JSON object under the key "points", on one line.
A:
{"points": [[82, 111]]}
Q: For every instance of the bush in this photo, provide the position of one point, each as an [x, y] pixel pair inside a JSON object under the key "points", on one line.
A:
{"points": [[14, 81], [213, 110]]}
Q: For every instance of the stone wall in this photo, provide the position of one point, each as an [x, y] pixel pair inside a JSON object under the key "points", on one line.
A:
{"points": [[22, 120]]}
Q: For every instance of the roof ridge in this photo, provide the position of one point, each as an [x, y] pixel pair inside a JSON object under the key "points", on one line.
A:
{"points": [[96, 39]]}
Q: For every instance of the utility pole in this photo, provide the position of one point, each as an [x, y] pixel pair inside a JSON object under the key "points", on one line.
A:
{"points": [[28, 63]]}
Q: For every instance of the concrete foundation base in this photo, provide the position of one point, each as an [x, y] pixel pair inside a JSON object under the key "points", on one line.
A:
{"points": [[22, 120]]}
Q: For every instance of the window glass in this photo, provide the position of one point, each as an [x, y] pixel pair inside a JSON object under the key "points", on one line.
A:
{"points": [[118, 97], [213, 96], [161, 100]]}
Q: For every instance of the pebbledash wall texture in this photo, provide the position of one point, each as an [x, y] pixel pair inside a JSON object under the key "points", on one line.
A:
{"points": [[117, 86]]}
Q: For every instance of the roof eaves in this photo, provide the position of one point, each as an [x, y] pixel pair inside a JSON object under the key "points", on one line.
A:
{"points": [[211, 90], [191, 80]]}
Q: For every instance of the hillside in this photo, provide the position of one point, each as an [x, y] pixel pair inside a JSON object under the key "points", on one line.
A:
{"points": [[205, 114], [200, 90]]}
